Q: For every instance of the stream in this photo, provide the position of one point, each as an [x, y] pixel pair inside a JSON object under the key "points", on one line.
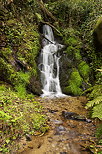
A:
{"points": [[65, 136], [70, 132]]}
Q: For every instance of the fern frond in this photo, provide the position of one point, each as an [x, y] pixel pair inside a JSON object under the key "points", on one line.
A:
{"points": [[93, 102], [97, 111], [97, 91]]}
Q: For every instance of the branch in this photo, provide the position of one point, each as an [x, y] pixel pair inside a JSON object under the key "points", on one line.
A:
{"points": [[44, 9], [47, 39]]}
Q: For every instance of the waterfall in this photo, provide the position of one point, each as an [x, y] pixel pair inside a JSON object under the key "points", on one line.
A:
{"points": [[49, 65]]}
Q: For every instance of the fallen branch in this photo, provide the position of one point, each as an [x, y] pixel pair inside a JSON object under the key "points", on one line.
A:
{"points": [[47, 39], [44, 9]]}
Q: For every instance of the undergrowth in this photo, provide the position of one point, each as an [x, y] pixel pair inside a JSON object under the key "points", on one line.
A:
{"points": [[18, 117], [95, 101]]}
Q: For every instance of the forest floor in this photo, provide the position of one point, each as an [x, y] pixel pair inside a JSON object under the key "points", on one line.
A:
{"points": [[65, 136]]}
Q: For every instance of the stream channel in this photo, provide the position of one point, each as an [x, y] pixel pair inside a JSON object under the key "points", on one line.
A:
{"points": [[70, 131], [65, 135]]}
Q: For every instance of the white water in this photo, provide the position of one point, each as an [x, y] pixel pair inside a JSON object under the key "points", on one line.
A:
{"points": [[49, 65]]}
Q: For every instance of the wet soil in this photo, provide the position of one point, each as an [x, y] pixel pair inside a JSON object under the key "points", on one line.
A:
{"points": [[65, 136]]}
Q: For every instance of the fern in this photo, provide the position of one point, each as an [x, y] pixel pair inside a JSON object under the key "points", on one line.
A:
{"points": [[93, 102], [97, 91], [97, 111]]}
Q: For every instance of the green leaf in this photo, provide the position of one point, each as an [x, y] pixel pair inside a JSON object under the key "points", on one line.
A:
{"points": [[38, 16], [95, 101], [97, 111]]}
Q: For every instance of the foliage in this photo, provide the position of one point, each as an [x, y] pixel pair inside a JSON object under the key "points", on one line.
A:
{"points": [[15, 118], [97, 109], [96, 101], [74, 83], [84, 69], [99, 131], [75, 78], [76, 11], [73, 89]]}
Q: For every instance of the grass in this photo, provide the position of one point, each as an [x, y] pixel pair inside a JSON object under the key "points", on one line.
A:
{"points": [[18, 117]]}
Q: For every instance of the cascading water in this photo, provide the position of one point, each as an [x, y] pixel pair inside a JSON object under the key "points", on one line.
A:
{"points": [[49, 65]]}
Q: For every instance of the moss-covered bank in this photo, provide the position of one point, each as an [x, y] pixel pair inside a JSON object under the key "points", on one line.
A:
{"points": [[20, 45]]}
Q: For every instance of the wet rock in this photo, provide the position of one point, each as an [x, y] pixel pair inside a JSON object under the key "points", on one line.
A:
{"points": [[52, 111], [60, 130], [57, 122], [74, 116], [28, 137], [88, 120], [30, 147]]}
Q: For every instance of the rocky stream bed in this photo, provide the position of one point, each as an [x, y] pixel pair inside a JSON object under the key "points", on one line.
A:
{"points": [[68, 134]]}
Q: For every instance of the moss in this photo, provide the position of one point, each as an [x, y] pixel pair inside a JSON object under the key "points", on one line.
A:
{"points": [[84, 70], [8, 73], [75, 82], [71, 41], [75, 78], [70, 50], [6, 53], [77, 55], [73, 89], [98, 37]]}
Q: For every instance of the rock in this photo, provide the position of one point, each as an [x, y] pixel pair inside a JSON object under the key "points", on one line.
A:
{"points": [[88, 120], [57, 122], [98, 30], [60, 130], [52, 111], [74, 116], [35, 85], [28, 137], [63, 153]]}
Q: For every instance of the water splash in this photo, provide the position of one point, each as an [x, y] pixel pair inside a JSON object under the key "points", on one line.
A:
{"points": [[49, 65]]}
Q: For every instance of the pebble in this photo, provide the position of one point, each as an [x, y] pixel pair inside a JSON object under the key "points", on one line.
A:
{"points": [[57, 122]]}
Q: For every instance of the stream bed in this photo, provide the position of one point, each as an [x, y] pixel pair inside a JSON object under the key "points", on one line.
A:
{"points": [[65, 135]]}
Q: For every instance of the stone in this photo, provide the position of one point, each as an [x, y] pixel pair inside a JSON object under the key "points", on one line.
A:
{"points": [[74, 116], [28, 137]]}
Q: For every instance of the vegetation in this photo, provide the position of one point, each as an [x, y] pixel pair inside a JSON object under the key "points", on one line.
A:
{"points": [[15, 120], [78, 24], [74, 83]]}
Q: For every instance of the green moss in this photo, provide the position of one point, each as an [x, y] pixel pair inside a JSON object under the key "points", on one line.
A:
{"points": [[98, 29], [77, 55], [8, 73], [75, 78], [70, 50], [6, 53], [71, 41], [99, 21], [75, 81], [73, 89], [84, 70]]}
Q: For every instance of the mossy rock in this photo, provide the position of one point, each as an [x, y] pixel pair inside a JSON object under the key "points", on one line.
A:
{"points": [[72, 41], [74, 84], [75, 78], [73, 89], [98, 30], [77, 55], [84, 70], [8, 73], [69, 51]]}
